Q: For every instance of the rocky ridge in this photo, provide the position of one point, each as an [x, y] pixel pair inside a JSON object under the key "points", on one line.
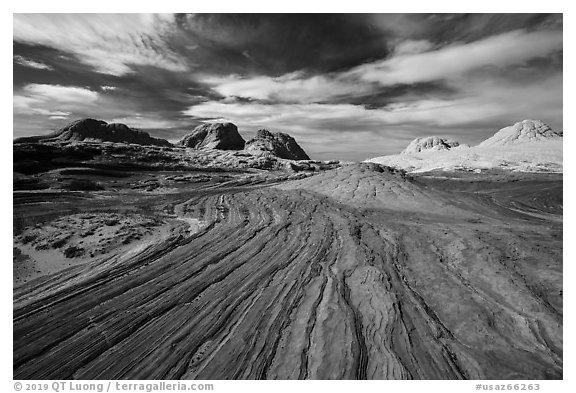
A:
{"points": [[91, 130], [96, 144]]}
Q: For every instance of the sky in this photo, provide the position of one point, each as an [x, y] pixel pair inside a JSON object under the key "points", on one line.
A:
{"points": [[346, 86]]}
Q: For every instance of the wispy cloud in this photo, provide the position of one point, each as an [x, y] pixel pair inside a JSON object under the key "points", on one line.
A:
{"points": [[52, 100], [502, 50], [291, 87], [60, 94], [480, 102], [412, 62], [410, 47], [146, 122], [32, 64], [111, 43]]}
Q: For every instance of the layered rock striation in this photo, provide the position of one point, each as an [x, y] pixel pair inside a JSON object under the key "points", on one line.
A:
{"points": [[351, 274]]}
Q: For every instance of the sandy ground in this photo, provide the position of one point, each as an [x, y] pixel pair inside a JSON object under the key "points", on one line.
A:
{"points": [[78, 239]]}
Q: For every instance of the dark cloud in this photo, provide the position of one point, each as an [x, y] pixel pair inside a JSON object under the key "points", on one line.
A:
{"points": [[275, 44], [448, 28], [405, 92]]}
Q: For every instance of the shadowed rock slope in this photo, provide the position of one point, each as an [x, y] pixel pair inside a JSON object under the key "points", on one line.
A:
{"points": [[313, 280], [97, 131]]}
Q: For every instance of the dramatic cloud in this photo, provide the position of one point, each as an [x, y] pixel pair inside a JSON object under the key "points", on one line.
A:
{"points": [[499, 51], [411, 63], [347, 86], [110, 43], [32, 64]]}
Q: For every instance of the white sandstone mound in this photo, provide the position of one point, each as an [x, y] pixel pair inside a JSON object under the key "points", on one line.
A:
{"points": [[430, 143], [527, 146], [522, 132]]}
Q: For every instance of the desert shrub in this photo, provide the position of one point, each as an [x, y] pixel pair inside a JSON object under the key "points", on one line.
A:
{"points": [[28, 238], [73, 252], [111, 222], [59, 242]]}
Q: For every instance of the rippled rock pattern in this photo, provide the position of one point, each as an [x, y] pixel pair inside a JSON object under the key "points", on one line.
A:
{"points": [[360, 272]]}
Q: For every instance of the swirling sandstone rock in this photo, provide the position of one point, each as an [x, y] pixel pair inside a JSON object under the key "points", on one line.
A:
{"points": [[321, 278]]}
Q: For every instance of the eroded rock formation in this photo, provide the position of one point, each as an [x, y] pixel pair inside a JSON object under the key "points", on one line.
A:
{"points": [[97, 131], [278, 144], [522, 132], [430, 143], [222, 136], [527, 146]]}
